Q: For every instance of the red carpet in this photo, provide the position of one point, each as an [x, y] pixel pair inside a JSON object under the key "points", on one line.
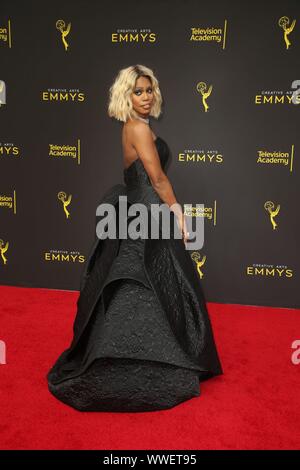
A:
{"points": [[254, 405]]}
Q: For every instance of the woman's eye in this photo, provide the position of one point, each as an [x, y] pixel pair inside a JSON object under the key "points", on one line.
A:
{"points": [[139, 91]]}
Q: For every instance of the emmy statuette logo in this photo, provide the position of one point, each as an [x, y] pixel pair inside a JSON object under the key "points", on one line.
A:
{"points": [[269, 206], [62, 197], [202, 89], [199, 262], [61, 26], [283, 22], [3, 249]]}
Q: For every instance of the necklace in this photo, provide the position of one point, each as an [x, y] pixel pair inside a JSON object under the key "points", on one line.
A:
{"points": [[143, 119]]}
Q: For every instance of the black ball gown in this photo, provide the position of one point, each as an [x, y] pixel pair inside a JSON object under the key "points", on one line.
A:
{"points": [[142, 337]]}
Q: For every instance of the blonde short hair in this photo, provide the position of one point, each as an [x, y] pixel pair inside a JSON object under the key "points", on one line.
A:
{"points": [[120, 104]]}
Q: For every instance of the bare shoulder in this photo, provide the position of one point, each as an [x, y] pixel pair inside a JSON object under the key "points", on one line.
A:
{"points": [[142, 140], [141, 133], [137, 131]]}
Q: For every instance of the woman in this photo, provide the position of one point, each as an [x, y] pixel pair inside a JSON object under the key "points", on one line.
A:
{"points": [[142, 335]]}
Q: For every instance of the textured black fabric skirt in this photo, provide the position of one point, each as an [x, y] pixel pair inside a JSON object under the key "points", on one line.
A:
{"points": [[128, 358]]}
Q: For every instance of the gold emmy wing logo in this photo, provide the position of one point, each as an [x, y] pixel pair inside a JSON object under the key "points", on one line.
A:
{"points": [[61, 26], [199, 262], [202, 89], [284, 24], [65, 201], [3, 249], [269, 206]]}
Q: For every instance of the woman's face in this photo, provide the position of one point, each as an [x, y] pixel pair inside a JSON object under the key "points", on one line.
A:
{"points": [[142, 97]]}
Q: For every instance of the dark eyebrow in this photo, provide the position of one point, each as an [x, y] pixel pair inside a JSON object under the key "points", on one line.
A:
{"points": [[141, 88]]}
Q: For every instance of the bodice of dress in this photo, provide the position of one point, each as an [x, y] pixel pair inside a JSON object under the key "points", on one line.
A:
{"points": [[136, 175]]}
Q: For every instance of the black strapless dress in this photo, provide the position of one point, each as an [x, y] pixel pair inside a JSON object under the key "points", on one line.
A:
{"points": [[142, 335]]}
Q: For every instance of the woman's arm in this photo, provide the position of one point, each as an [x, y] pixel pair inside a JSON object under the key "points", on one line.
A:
{"points": [[142, 141]]}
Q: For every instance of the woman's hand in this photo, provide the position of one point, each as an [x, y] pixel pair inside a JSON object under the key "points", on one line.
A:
{"points": [[182, 223], [183, 227]]}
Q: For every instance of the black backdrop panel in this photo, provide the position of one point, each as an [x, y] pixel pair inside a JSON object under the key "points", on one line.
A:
{"points": [[65, 144]]}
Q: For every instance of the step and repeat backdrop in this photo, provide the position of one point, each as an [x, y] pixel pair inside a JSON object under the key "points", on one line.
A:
{"points": [[229, 75]]}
